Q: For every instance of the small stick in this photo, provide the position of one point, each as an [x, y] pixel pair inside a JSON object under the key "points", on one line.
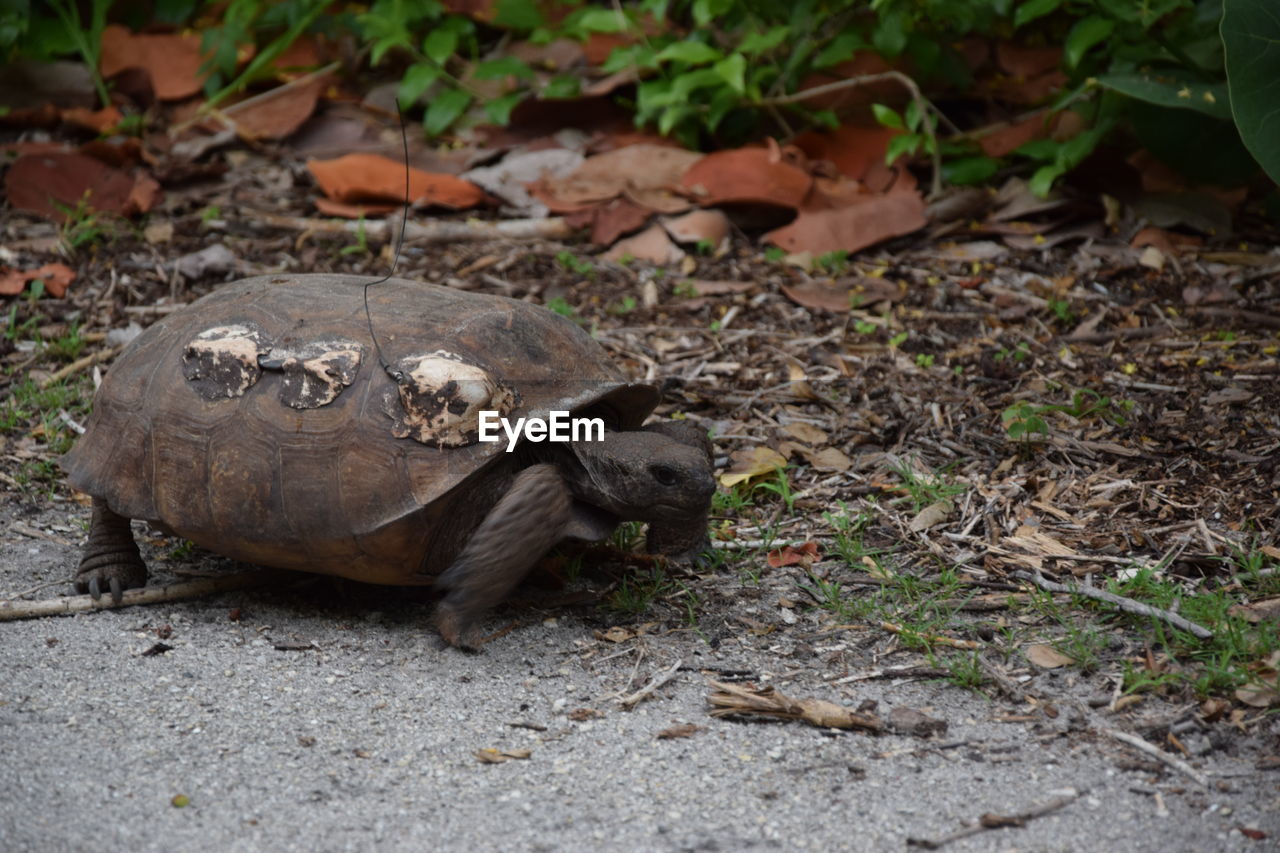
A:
{"points": [[438, 231], [991, 821], [181, 591], [933, 638], [655, 682], [1128, 605], [78, 365], [1158, 754]]}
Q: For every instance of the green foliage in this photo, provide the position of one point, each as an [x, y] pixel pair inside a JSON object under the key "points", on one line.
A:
{"points": [[1251, 39], [1025, 419]]}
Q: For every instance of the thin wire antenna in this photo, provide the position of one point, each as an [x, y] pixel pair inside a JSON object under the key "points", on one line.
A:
{"points": [[404, 140]]}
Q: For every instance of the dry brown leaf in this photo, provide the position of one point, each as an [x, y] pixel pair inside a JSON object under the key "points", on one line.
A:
{"points": [[868, 221], [489, 755], [820, 295], [681, 731], [280, 112], [806, 555], [931, 516], [171, 60], [853, 149], [752, 462], [617, 217], [329, 207], [99, 121], [696, 226], [372, 177], [652, 245], [808, 433], [731, 699], [831, 459], [1257, 611], [747, 175], [647, 173], [1047, 657], [56, 278], [50, 184]]}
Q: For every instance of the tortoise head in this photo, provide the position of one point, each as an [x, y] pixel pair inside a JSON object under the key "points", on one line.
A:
{"points": [[643, 476]]}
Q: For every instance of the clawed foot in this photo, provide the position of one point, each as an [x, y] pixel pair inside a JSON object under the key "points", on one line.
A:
{"points": [[113, 572], [457, 627]]}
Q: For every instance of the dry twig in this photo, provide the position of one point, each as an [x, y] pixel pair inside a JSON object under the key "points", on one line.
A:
{"points": [[1158, 754], [1128, 605], [655, 682], [730, 699], [440, 231], [994, 821], [181, 591]]}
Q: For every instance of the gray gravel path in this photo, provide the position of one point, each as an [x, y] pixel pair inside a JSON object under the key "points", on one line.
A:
{"points": [[367, 740]]}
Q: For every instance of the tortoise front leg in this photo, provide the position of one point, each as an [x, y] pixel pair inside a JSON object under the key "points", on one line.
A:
{"points": [[531, 517], [111, 556], [685, 541]]}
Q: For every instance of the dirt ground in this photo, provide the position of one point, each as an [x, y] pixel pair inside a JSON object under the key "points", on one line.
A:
{"points": [[973, 412]]}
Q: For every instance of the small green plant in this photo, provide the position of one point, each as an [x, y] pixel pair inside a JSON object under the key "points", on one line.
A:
{"points": [[834, 262], [622, 307], [924, 360], [627, 536], [31, 408], [210, 213], [779, 485], [636, 593], [82, 226], [899, 339], [685, 289], [361, 245], [1022, 420], [849, 530], [865, 327], [1061, 309], [704, 247], [925, 490], [775, 254], [578, 266], [1017, 355], [182, 551], [561, 306], [965, 670]]}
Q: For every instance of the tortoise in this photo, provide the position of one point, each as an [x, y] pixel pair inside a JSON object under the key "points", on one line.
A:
{"points": [[316, 423]]}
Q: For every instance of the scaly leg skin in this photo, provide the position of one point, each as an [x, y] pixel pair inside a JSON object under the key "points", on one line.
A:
{"points": [[685, 541], [111, 556], [531, 517]]}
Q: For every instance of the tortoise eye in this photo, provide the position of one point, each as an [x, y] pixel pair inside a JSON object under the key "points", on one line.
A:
{"points": [[664, 475]]}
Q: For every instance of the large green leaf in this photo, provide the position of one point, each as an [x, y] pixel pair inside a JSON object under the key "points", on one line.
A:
{"points": [[1173, 87], [1251, 35], [1202, 148]]}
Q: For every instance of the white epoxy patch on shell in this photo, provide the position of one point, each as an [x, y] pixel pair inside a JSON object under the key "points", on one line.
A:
{"points": [[222, 362], [314, 373], [441, 397]]}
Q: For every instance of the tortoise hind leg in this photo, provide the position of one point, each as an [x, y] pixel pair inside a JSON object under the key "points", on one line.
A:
{"points": [[111, 556], [531, 517]]}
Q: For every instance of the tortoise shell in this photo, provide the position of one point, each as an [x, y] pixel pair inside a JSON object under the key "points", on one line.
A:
{"points": [[259, 421]]}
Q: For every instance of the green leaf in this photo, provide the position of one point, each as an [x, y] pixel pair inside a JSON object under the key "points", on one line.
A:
{"points": [[499, 109], [444, 110], [518, 15], [602, 21], [1042, 181], [690, 52], [1174, 87], [416, 80], [1204, 149], [841, 48], [904, 144], [505, 66], [561, 86], [706, 11], [1251, 35], [672, 116], [733, 69], [440, 44], [1085, 34], [888, 117], [1033, 9], [761, 42], [890, 34], [1040, 149], [969, 170]]}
